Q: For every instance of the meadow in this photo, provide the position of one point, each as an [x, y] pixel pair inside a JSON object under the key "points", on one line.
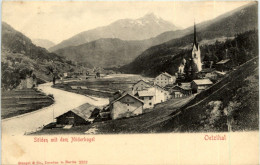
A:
{"points": [[17, 102], [102, 87]]}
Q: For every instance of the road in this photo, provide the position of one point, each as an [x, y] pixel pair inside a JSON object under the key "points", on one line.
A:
{"points": [[64, 101]]}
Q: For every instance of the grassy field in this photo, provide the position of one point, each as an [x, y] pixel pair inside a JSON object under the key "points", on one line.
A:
{"points": [[18, 102], [102, 87]]}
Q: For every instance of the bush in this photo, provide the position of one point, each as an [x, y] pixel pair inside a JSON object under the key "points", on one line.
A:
{"points": [[51, 96]]}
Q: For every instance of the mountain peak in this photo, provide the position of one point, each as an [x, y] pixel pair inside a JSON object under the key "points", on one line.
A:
{"points": [[150, 15]]}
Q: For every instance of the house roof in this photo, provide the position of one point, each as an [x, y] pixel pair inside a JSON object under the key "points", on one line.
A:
{"points": [[167, 74], [147, 82], [125, 94], [221, 73], [223, 61], [168, 86], [161, 87], [203, 82], [145, 93], [207, 70], [84, 111], [186, 86]]}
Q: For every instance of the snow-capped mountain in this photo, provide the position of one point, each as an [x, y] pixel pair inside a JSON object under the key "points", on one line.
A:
{"points": [[142, 28]]}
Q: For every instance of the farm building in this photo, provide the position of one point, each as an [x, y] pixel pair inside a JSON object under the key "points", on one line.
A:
{"points": [[148, 97], [140, 86], [84, 114], [125, 106], [224, 65], [180, 91], [164, 79], [200, 85]]}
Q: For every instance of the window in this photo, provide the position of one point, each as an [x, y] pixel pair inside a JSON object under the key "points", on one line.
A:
{"points": [[150, 103], [127, 104], [150, 98]]}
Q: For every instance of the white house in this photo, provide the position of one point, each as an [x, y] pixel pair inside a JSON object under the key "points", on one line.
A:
{"points": [[164, 79], [161, 94], [140, 86]]}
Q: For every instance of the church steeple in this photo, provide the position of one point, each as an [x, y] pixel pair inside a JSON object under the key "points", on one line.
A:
{"points": [[195, 36]]}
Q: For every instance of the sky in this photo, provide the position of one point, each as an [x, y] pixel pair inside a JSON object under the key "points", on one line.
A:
{"points": [[58, 21]]}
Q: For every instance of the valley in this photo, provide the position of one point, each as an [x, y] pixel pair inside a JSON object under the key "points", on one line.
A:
{"points": [[142, 75]]}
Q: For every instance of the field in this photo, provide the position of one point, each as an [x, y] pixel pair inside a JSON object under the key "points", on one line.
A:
{"points": [[102, 87], [18, 102]]}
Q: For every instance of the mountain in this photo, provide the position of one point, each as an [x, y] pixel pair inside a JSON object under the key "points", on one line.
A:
{"points": [[20, 56], [156, 59], [43, 43], [125, 29], [114, 52]]}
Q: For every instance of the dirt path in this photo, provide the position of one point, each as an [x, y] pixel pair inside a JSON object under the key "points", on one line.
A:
{"points": [[64, 101]]}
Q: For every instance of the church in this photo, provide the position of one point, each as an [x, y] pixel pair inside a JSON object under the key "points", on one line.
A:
{"points": [[193, 64]]}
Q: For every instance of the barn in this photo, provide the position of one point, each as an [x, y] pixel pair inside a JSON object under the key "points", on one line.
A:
{"points": [[200, 85], [81, 115]]}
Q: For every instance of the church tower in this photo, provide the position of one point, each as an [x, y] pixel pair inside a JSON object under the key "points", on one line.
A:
{"points": [[195, 57]]}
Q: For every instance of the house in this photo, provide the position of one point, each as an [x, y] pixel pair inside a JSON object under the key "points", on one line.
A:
{"points": [[140, 86], [164, 79], [169, 87], [204, 72], [161, 94], [148, 97], [125, 106], [81, 115], [180, 91], [200, 85], [224, 65]]}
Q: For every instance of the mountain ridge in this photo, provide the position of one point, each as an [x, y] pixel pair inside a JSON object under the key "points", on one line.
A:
{"points": [[43, 43], [142, 28]]}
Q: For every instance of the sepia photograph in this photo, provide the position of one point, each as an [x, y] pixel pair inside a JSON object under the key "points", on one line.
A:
{"points": [[79, 69]]}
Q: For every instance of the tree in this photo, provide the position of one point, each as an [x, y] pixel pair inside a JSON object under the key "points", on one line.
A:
{"points": [[97, 75], [53, 72], [229, 111]]}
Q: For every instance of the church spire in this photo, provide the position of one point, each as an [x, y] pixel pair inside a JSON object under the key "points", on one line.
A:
{"points": [[195, 37]]}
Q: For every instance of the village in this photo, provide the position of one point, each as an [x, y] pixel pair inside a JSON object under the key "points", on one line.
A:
{"points": [[192, 78]]}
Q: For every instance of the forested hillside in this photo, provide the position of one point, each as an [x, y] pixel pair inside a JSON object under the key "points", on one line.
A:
{"points": [[240, 49], [20, 57], [167, 56]]}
